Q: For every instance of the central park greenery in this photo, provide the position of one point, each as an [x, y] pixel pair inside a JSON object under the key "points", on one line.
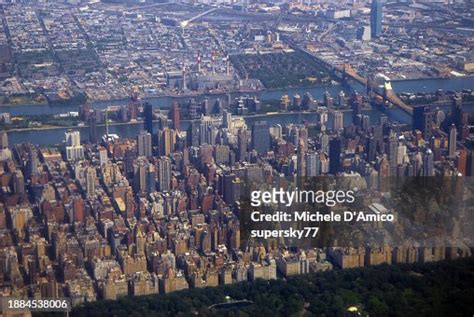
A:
{"points": [[432, 289]]}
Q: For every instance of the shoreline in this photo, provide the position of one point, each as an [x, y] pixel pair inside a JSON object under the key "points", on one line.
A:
{"points": [[203, 94], [174, 95], [256, 115]]}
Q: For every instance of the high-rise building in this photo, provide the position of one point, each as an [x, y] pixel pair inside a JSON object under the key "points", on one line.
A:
{"points": [[164, 174], [363, 33], [470, 164], [227, 119], [356, 105], [150, 178], [423, 119], [140, 174], [73, 138], [323, 120], [93, 127], [324, 143], [242, 143], [401, 154], [417, 118], [312, 164], [376, 18], [276, 131], [18, 182], [192, 134], [392, 154], [428, 163], [371, 150], [335, 155], [175, 115], [428, 118], [338, 121], [231, 188], [148, 117], [144, 144], [32, 167], [5, 152], [260, 137], [327, 99], [456, 111], [341, 99], [166, 141], [103, 156], [453, 133], [221, 154], [193, 109], [74, 149], [301, 161], [3, 140], [90, 181]]}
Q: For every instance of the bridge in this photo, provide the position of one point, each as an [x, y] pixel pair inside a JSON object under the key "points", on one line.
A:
{"points": [[185, 23], [388, 94], [345, 70]]}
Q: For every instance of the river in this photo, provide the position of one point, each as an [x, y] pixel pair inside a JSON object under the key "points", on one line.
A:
{"points": [[55, 136]]}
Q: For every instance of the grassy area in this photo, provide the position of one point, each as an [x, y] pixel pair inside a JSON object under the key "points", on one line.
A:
{"points": [[432, 289], [279, 70]]}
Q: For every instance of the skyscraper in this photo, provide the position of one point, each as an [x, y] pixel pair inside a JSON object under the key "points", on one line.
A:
{"points": [[470, 164], [242, 143], [73, 138], [334, 155], [140, 174], [90, 181], [453, 133], [175, 115], [417, 118], [260, 137], [166, 141], [74, 149], [193, 109], [5, 152], [376, 18], [428, 118], [192, 134], [341, 99], [32, 167], [428, 167], [18, 182], [3, 140], [230, 188], [148, 116], [338, 121], [371, 150], [312, 164], [392, 154], [150, 178], [93, 127], [356, 105], [456, 111], [144, 144], [164, 174]]}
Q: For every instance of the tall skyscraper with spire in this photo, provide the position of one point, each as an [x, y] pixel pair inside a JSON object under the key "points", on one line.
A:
{"points": [[376, 18]]}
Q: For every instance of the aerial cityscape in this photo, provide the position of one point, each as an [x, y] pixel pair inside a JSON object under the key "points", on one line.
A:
{"points": [[131, 133]]}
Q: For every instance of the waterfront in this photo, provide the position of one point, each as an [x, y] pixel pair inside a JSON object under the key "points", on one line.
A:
{"points": [[164, 102], [55, 136]]}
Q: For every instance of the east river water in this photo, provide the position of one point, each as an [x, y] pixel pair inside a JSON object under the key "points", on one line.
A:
{"points": [[130, 130]]}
